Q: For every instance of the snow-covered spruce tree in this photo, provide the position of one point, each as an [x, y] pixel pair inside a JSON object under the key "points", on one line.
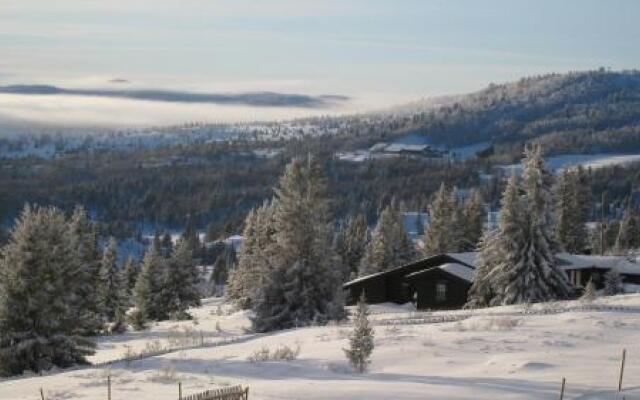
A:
{"points": [[112, 291], [180, 286], [473, 223], [571, 210], [628, 233], [166, 245], [190, 235], [224, 263], [589, 294], [444, 233], [253, 259], [302, 283], [131, 270], [84, 242], [581, 207], [40, 286], [527, 270], [389, 245], [481, 292], [149, 285], [239, 281], [352, 244], [361, 339], [613, 283]]}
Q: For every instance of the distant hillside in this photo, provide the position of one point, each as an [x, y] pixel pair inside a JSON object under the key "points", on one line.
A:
{"points": [[581, 111]]}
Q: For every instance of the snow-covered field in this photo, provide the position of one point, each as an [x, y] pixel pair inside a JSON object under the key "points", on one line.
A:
{"points": [[594, 161], [498, 353]]}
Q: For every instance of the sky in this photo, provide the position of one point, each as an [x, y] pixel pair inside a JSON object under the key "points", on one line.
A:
{"points": [[377, 53]]}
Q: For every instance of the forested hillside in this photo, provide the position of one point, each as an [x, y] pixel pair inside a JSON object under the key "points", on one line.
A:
{"points": [[213, 174], [575, 112]]}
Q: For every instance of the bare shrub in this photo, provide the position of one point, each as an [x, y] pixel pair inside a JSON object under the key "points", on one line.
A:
{"points": [[488, 324], [152, 346], [281, 353], [166, 374], [128, 355], [185, 337]]}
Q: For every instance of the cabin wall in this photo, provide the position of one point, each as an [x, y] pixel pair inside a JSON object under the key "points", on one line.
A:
{"points": [[398, 290], [425, 288], [375, 291]]}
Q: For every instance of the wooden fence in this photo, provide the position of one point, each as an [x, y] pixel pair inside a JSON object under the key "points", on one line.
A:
{"points": [[228, 393]]}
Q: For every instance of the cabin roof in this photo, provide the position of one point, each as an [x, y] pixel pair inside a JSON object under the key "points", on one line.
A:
{"points": [[467, 259], [461, 271], [581, 261]]}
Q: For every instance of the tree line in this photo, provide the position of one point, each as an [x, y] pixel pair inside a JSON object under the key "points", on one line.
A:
{"points": [[58, 287]]}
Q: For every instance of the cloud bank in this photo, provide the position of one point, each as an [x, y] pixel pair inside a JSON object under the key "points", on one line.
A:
{"points": [[254, 99]]}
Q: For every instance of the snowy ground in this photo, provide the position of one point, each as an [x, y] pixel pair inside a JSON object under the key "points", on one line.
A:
{"points": [[594, 161], [493, 354]]}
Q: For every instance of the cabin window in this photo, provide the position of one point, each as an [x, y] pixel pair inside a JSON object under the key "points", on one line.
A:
{"points": [[441, 291]]}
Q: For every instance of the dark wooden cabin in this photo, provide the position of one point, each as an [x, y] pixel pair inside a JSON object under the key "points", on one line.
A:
{"points": [[582, 268], [442, 287], [391, 285]]}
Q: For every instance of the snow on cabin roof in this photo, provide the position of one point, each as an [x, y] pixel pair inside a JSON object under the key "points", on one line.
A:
{"points": [[364, 278], [468, 258], [582, 261], [461, 271]]}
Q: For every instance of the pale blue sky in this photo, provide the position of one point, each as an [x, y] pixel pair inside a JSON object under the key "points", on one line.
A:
{"points": [[378, 51]]}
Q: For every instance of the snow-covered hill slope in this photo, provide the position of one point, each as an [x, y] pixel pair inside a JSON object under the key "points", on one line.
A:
{"points": [[499, 353]]}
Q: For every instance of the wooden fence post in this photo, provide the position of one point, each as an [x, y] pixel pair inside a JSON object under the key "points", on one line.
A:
{"points": [[41, 394], [562, 389], [109, 387], [179, 390], [624, 356]]}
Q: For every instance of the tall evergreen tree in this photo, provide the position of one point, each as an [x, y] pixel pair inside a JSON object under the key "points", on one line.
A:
{"points": [[180, 286], [191, 237], [131, 270], [83, 236], [473, 222], [482, 292], [527, 271], [389, 245], [571, 210], [223, 264], [166, 245], [254, 257], [628, 233], [149, 286], [41, 283], [445, 221], [352, 244], [112, 290], [303, 285], [240, 279]]}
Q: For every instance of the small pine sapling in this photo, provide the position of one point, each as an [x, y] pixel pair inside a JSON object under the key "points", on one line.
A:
{"points": [[361, 339]]}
